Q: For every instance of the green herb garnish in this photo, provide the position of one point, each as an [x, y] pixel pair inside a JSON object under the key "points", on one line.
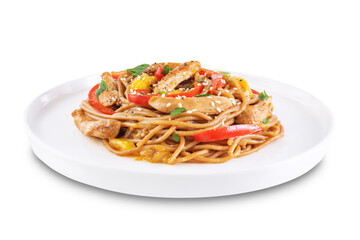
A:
{"points": [[224, 73], [166, 69], [176, 137], [202, 95], [102, 87], [199, 80], [266, 120], [191, 85], [228, 78], [177, 111], [138, 70], [263, 95], [162, 92]]}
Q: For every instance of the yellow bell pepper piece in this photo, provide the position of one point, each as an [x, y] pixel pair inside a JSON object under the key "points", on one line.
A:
{"points": [[143, 82], [175, 92], [244, 86], [121, 144]]}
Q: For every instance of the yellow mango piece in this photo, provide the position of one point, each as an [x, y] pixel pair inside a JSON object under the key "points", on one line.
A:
{"points": [[121, 144]]}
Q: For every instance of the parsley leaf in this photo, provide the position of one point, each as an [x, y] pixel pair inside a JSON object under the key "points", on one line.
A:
{"points": [[162, 92], [202, 95], [166, 69], [224, 73], [263, 95], [199, 80], [266, 120], [176, 137], [102, 87], [191, 85], [138, 70], [177, 111]]}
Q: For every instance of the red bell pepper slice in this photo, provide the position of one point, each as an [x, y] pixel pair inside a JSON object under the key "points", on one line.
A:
{"points": [[198, 87], [217, 81], [142, 99], [207, 73], [255, 92], [115, 75], [227, 132], [95, 103], [159, 73]]}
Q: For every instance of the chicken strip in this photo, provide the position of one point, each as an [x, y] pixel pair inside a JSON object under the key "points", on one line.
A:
{"points": [[176, 76], [208, 105], [255, 114], [96, 128], [111, 95], [111, 83], [109, 98]]}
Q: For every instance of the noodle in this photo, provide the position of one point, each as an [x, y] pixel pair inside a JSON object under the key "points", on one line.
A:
{"points": [[154, 132]]}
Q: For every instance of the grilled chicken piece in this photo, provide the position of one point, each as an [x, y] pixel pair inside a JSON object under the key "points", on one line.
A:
{"points": [[109, 98], [96, 128], [209, 105], [255, 114], [176, 76], [111, 95]]}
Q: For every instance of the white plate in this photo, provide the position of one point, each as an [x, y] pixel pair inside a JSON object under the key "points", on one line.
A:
{"points": [[58, 143]]}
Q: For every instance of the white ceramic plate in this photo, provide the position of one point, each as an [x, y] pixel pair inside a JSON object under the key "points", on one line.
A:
{"points": [[58, 143]]}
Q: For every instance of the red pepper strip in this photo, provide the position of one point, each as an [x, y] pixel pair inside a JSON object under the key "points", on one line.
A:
{"points": [[217, 81], [255, 92], [95, 103], [207, 73], [198, 87], [144, 99], [159, 73], [140, 99], [115, 75], [227, 132]]}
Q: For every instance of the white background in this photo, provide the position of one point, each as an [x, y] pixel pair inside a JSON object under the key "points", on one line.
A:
{"points": [[313, 45]]}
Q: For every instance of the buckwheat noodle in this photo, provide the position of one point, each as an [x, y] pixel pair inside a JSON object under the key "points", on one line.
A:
{"points": [[152, 130]]}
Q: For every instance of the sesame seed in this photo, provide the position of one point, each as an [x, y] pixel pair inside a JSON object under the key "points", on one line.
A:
{"points": [[217, 101], [189, 111], [218, 109], [168, 104], [212, 104], [163, 95], [180, 105]]}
